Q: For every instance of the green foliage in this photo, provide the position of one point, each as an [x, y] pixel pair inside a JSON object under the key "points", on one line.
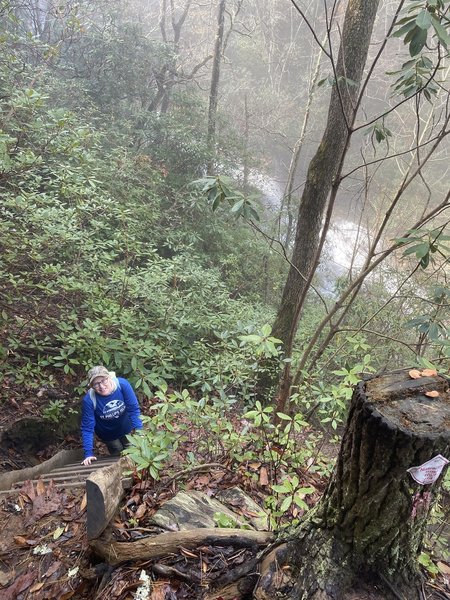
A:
{"points": [[420, 22], [263, 344], [151, 448], [416, 75], [55, 411], [96, 236], [425, 244], [214, 432], [276, 443], [226, 521], [379, 132], [109, 255], [330, 80], [426, 561], [218, 191], [289, 494], [420, 18]]}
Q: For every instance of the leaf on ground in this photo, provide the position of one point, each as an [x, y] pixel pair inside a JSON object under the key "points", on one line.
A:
{"points": [[40, 487], [444, 568], [42, 507], [28, 490], [135, 499], [83, 502], [203, 480], [42, 549], [72, 572], [58, 532], [18, 586], [36, 587], [141, 510], [52, 569], [432, 394], [159, 591], [22, 541], [218, 475], [254, 465], [263, 477], [5, 578], [46, 503], [188, 553], [415, 374]]}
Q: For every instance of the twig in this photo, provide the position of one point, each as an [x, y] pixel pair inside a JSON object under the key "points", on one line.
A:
{"points": [[391, 587], [167, 571], [205, 467]]}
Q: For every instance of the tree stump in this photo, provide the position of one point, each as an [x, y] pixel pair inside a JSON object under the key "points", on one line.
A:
{"points": [[371, 520]]}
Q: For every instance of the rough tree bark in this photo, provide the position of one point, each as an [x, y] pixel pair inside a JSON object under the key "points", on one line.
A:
{"points": [[214, 89], [371, 519], [324, 167]]}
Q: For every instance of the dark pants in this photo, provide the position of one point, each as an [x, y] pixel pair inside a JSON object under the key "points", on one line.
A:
{"points": [[115, 447]]}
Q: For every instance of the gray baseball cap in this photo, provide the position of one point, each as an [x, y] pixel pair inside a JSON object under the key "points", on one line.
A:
{"points": [[98, 371]]}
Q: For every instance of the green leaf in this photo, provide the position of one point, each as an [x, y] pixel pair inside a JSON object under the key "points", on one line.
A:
{"points": [[266, 330], [423, 19], [433, 332], [216, 200], [418, 41], [238, 206], [286, 504], [408, 27], [284, 417], [441, 32], [281, 489], [300, 503], [420, 250]]}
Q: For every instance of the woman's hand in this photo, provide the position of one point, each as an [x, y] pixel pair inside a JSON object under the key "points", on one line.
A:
{"points": [[87, 461]]}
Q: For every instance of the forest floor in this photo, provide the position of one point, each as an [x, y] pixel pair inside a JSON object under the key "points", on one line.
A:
{"points": [[45, 554]]}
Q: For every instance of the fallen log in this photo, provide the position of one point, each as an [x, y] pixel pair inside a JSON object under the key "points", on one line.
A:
{"points": [[104, 491], [168, 543]]}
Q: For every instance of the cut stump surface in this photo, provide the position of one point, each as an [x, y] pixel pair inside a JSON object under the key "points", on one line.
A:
{"points": [[372, 517]]}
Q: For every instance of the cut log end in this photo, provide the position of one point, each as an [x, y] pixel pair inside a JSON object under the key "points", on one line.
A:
{"points": [[403, 404], [104, 491]]}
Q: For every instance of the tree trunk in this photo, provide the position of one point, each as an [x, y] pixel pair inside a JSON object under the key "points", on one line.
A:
{"points": [[289, 191], [214, 90], [371, 520], [326, 164]]}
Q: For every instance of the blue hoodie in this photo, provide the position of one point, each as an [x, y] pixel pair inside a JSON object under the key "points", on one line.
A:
{"points": [[114, 415]]}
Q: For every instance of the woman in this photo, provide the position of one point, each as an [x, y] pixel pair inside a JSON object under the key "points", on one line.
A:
{"points": [[111, 410]]}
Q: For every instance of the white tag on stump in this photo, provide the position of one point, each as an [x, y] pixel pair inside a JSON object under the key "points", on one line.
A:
{"points": [[429, 471]]}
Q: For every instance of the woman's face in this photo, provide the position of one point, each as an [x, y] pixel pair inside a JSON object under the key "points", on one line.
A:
{"points": [[103, 385]]}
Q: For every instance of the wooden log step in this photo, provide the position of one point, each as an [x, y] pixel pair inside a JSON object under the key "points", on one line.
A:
{"points": [[81, 468], [104, 489]]}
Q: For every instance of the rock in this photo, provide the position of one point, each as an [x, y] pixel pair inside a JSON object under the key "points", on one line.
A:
{"points": [[240, 503], [193, 510]]}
